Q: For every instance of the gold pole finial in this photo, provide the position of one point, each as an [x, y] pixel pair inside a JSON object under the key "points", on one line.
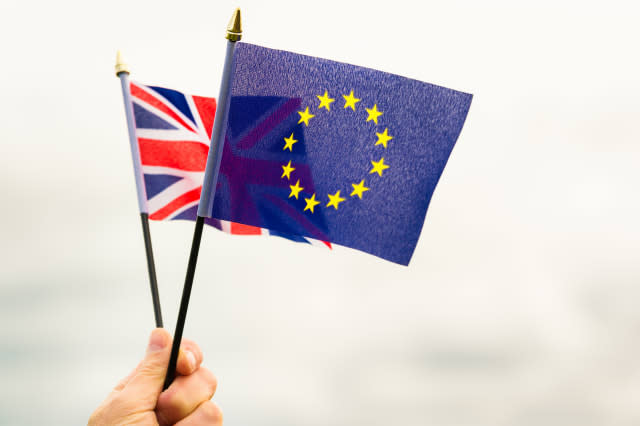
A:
{"points": [[120, 65], [234, 29]]}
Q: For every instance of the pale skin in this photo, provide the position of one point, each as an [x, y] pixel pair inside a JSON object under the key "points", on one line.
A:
{"points": [[138, 399]]}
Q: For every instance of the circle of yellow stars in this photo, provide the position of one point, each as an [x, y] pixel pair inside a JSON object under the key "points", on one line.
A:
{"points": [[359, 188]]}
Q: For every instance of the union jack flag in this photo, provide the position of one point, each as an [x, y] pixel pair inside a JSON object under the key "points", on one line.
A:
{"points": [[174, 132]]}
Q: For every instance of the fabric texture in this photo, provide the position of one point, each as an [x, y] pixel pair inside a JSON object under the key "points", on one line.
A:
{"points": [[334, 151]]}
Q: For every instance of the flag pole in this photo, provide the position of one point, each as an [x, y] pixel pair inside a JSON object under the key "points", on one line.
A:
{"points": [[122, 72], [207, 195]]}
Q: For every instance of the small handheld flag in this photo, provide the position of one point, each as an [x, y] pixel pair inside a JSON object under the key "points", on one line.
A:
{"points": [[122, 72], [333, 151]]}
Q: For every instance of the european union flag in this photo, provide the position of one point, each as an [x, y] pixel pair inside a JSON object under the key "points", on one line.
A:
{"points": [[333, 151]]}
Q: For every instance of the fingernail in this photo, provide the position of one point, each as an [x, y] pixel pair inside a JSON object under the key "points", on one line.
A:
{"points": [[191, 359], [157, 341]]}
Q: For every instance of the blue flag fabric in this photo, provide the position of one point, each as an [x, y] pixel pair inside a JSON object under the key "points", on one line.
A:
{"points": [[334, 151]]}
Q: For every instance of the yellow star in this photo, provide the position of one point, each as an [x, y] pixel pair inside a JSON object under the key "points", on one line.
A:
{"points": [[305, 116], [311, 203], [378, 167], [350, 101], [373, 113], [289, 143], [358, 189], [383, 138], [335, 199], [325, 101], [286, 170], [295, 189]]}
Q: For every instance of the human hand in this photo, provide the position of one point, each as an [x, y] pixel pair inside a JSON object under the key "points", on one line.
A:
{"points": [[139, 400]]}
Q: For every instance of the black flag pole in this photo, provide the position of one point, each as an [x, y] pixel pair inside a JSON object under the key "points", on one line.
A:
{"points": [[122, 71], [184, 302], [151, 267], [207, 194]]}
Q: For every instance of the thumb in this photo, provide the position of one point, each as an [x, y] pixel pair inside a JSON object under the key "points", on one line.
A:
{"points": [[149, 377]]}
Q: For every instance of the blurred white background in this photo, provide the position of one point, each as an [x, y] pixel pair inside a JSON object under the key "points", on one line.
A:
{"points": [[520, 306]]}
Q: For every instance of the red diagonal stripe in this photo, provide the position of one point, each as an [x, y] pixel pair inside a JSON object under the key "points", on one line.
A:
{"points": [[265, 126], [207, 109], [182, 200], [184, 155], [157, 103], [241, 229]]}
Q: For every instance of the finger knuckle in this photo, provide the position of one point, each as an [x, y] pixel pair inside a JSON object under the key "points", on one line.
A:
{"points": [[210, 379], [212, 412], [151, 367], [193, 347], [172, 400], [187, 342]]}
